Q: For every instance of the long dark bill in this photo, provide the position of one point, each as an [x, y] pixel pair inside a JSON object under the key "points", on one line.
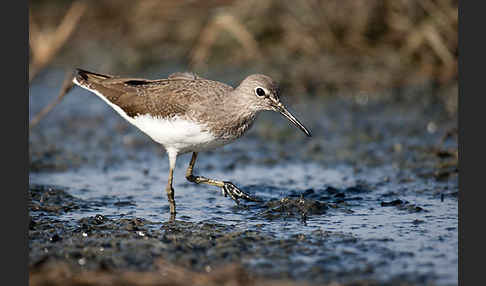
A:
{"points": [[292, 119]]}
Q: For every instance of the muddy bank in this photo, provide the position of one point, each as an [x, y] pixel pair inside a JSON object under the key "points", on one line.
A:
{"points": [[185, 252]]}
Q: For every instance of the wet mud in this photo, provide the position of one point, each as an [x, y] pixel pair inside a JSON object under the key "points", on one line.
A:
{"points": [[370, 199]]}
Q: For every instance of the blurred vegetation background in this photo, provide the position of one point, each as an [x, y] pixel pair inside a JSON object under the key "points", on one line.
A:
{"points": [[310, 46]]}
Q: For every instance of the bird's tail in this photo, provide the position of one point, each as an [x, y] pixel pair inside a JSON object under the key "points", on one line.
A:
{"points": [[85, 78]]}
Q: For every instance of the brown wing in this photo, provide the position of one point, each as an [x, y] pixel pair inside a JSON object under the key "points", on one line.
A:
{"points": [[163, 97]]}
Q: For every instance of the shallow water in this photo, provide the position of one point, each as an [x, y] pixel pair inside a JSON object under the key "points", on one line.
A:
{"points": [[360, 156]]}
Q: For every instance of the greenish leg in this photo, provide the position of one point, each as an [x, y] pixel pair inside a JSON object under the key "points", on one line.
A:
{"points": [[170, 192], [228, 188], [169, 189]]}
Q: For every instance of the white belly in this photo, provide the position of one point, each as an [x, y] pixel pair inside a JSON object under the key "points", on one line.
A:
{"points": [[176, 133]]}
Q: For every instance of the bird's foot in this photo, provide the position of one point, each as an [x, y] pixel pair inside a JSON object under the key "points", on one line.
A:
{"points": [[229, 189]]}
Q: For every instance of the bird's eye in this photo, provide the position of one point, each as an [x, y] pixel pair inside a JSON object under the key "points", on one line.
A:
{"points": [[259, 91]]}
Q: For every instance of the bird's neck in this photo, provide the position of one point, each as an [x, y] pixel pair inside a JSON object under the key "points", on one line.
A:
{"points": [[238, 116]]}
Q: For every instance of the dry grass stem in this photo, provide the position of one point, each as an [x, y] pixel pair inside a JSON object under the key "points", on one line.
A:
{"points": [[223, 21], [65, 88], [45, 45]]}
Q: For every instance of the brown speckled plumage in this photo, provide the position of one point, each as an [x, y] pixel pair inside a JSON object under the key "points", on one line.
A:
{"points": [[182, 94]]}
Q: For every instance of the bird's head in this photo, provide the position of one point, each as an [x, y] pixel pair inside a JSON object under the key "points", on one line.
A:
{"points": [[261, 92]]}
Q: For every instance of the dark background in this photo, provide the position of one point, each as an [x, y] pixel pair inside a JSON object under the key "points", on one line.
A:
{"points": [[311, 47]]}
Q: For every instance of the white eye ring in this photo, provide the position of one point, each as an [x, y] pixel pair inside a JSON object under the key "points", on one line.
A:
{"points": [[260, 91]]}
